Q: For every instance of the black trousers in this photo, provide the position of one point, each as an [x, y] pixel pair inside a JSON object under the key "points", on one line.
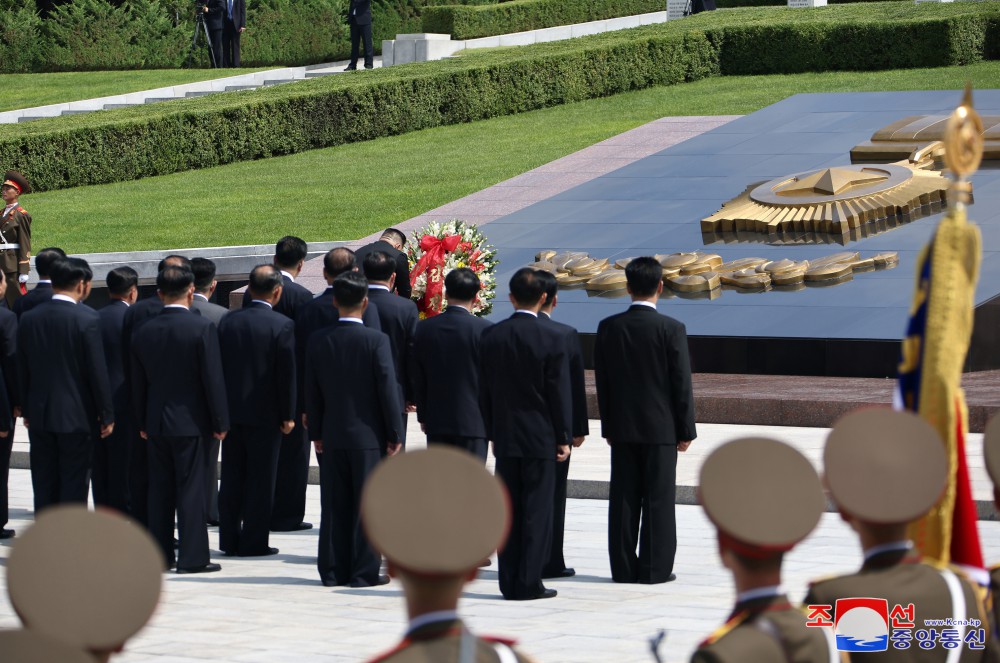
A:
{"points": [[292, 477], [249, 464], [138, 478], [359, 33], [60, 467], [641, 512], [345, 557], [556, 563], [112, 458], [230, 44], [531, 484], [216, 38], [177, 483], [476, 446], [212, 480], [6, 444]]}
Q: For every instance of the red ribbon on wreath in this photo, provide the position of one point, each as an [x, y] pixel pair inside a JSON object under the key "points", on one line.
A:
{"points": [[432, 262]]}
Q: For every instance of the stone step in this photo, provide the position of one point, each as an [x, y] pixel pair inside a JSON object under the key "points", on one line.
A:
{"points": [[156, 100], [30, 118], [240, 88], [199, 93], [116, 106], [75, 112]]}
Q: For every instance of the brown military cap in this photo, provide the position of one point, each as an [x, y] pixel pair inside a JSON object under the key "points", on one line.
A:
{"points": [[885, 467], [90, 579], [764, 496], [991, 448], [16, 180], [435, 512], [31, 647]]}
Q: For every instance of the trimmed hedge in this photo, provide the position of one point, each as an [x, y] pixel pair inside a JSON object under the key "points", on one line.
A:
{"points": [[470, 22], [126, 144]]}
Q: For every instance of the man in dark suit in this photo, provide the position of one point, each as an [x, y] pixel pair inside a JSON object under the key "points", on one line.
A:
{"points": [[204, 287], [8, 367], [350, 421], [258, 360], [179, 398], [527, 408], [643, 379], [445, 369], [398, 317], [359, 18], [293, 458], [556, 565], [391, 242], [42, 292], [234, 22], [110, 481], [64, 386], [136, 316], [215, 11]]}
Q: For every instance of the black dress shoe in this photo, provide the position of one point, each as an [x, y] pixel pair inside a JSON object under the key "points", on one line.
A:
{"points": [[301, 527], [262, 553], [351, 67], [671, 577], [6, 534], [381, 580], [211, 567], [369, 66], [565, 573], [213, 523]]}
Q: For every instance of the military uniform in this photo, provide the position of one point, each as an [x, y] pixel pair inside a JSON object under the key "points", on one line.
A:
{"points": [[767, 629], [15, 238], [448, 640], [991, 451]]}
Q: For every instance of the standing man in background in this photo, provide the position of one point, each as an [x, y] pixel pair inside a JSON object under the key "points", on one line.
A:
{"points": [[643, 377], [391, 242], [359, 18], [234, 22], [215, 11], [15, 235], [42, 292], [110, 482], [8, 365]]}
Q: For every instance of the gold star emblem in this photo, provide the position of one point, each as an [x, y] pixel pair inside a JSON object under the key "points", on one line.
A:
{"points": [[830, 182]]}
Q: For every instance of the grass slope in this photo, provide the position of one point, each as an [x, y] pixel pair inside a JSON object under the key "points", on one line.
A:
{"points": [[352, 190]]}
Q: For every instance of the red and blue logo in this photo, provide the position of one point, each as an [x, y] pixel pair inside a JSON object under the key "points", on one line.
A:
{"points": [[862, 624]]}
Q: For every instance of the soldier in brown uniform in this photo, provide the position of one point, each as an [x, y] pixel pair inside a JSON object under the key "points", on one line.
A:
{"points": [[884, 470], [436, 515], [15, 235], [991, 449], [763, 497]]}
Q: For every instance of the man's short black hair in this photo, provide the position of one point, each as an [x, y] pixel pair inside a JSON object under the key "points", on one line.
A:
{"points": [[526, 287], [461, 284], [264, 279], [121, 279], [396, 234], [174, 280], [379, 266], [644, 276], [289, 251], [45, 258], [204, 273], [349, 290], [549, 284], [174, 259], [339, 260], [67, 272]]}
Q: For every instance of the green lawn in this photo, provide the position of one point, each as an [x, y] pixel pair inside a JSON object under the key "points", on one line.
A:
{"points": [[352, 190], [30, 90]]}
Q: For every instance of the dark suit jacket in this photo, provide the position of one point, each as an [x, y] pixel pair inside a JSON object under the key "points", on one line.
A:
{"points": [[577, 380], [177, 384], [398, 317], [643, 376], [206, 309], [40, 294], [258, 360], [112, 322], [351, 396], [8, 356], [360, 11], [61, 367], [402, 263], [293, 297], [525, 393], [216, 12], [445, 373]]}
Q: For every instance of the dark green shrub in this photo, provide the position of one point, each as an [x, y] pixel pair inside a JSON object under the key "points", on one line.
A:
{"points": [[22, 46]]}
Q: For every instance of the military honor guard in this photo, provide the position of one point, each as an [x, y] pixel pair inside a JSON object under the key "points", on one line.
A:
{"points": [[884, 470], [436, 514], [15, 235], [763, 498], [991, 451], [527, 408], [353, 414], [258, 361], [42, 292], [87, 580], [66, 395], [8, 389], [179, 401], [445, 369]]}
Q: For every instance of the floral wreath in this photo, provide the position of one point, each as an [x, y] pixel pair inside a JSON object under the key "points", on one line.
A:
{"points": [[439, 248]]}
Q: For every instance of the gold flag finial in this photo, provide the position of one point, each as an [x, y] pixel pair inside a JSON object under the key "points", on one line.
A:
{"points": [[963, 141]]}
